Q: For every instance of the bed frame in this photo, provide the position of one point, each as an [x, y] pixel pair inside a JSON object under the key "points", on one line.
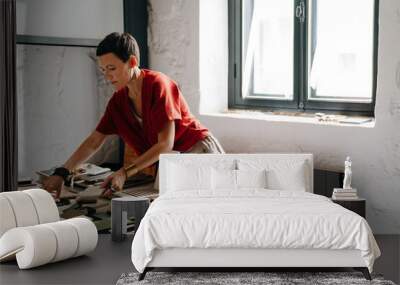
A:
{"points": [[259, 259], [246, 259]]}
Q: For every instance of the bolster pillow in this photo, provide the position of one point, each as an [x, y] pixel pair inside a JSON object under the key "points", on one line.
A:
{"points": [[26, 208], [40, 244]]}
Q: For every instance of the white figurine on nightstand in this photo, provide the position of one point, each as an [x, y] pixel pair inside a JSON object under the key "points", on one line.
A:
{"points": [[347, 174], [347, 192]]}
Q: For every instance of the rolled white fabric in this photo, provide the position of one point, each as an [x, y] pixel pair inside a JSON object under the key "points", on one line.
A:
{"points": [[87, 235], [23, 208], [33, 246], [67, 240], [37, 245], [7, 218], [46, 208]]}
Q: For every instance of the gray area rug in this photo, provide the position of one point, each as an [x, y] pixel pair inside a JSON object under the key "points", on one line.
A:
{"points": [[231, 278]]}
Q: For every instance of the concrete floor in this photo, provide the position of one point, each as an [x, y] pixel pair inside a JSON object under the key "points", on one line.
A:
{"points": [[389, 262], [110, 260], [102, 266]]}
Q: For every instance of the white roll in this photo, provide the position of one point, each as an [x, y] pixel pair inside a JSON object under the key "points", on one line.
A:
{"points": [[7, 217], [10, 243], [67, 239], [87, 235], [24, 210], [33, 246], [45, 206]]}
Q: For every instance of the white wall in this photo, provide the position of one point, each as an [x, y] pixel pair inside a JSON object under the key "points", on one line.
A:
{"points": [[175, 38], [90, 19]]}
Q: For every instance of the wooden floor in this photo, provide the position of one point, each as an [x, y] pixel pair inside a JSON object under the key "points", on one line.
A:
{"points": [[111, 259]]}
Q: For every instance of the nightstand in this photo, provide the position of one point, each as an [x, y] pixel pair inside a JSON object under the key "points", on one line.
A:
{"points": [[356, 205]]}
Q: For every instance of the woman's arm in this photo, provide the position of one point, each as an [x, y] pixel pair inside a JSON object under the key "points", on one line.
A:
{"points": [[89, 146]]}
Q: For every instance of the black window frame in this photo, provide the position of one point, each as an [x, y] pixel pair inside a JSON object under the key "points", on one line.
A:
{"points": [[300, 102]]}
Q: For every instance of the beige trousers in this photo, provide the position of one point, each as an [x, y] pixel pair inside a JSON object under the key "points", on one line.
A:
{"points": [[209, 145]]}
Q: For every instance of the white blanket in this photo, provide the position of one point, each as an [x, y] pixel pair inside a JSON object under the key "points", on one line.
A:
{"points": [[250, 218]]}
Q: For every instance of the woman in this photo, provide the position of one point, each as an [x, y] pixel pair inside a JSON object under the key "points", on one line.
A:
{"points": [[147, 111]]}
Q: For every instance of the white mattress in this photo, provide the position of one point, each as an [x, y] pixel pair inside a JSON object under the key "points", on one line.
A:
{"points": [[251, 219]]}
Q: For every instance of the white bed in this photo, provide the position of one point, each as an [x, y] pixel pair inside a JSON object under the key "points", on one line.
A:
{"points": [[213, 218]]}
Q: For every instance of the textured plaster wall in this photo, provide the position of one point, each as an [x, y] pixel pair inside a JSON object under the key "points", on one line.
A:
{"points": [[61, 96], [174, 40], [174, 45]]}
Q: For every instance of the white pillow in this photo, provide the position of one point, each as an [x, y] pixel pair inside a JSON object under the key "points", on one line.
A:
{"points": [[251, 178], [223, 179], [282, 174], [228, 179], [289, 176], [188, 177]]}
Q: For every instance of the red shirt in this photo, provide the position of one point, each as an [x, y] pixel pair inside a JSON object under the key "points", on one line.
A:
{"points": [[162, 101]]}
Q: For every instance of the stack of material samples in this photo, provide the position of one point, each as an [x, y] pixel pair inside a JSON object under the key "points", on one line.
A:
{"points": [[92, 172], [344, 194]]}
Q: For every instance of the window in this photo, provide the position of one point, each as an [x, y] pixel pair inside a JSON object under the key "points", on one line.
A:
{"points": [[303, 55]]}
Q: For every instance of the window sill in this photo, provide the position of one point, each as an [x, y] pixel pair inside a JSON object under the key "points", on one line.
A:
{"points": [[297, 118]]}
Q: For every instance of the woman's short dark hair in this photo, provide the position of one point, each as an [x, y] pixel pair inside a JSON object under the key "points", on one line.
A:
{"points": [[122, 45]]}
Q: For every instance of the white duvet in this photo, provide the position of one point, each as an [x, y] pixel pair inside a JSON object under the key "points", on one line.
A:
{"points": [[250, 218]]}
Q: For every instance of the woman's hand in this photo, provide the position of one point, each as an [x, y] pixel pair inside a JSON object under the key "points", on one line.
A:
{"points": [[114, 182], [54, 183]]}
